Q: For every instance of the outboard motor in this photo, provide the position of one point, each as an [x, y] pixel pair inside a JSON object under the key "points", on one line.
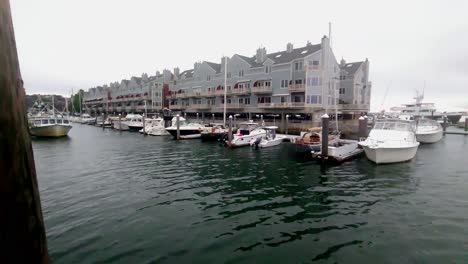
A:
{"points": [[257, 142]]}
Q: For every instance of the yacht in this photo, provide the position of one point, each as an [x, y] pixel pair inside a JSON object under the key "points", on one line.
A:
{"points": [[134, 123], [187, 130], [390, 141], [428, 131], [86, 118], [246, 132], [49, 126], [155, 127], [269, 140], [130, 119]]}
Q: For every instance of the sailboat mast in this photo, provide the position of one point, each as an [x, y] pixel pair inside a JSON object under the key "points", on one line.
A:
{"points": [[335, 95], [225, 90], [53, 106]]}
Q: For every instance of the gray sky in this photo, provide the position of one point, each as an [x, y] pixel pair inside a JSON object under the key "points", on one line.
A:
{"points": [[65, 45]]}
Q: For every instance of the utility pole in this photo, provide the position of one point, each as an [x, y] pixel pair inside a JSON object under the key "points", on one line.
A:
{"points": [[22, 232]]}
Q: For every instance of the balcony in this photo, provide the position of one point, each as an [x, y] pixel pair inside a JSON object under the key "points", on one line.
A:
{"points": [[176, 107], [221, 92], [285, 105], [240, 91], [261, 89], [231, 106], [207, 94], [296, 88], [180, 95], [200, 107], [194, 94], [359, 107], [118, 109]]}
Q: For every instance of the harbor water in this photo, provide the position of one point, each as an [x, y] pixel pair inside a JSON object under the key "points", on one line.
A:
{"points": [[120, 197]]}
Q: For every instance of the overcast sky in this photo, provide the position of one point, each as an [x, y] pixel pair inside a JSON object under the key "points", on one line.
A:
{"points": [[65, 45]]}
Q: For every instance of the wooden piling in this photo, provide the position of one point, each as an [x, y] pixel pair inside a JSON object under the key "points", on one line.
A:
{"points": [[22, 232], [325, 131], [178, 126], [287, 124], [212, 118], [466, 124], [230, 129], [103, 118], [120, 122], [144, 132], [261, 120], [444, 125], [362, 131]]}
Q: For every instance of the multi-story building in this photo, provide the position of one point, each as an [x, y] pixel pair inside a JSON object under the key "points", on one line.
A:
{"points": [[297, 81]]}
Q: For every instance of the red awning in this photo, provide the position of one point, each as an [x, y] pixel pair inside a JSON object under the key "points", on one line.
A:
{"points": [[126, 96], [138, 95], [146, 94], [255, 84], [236, 86]]}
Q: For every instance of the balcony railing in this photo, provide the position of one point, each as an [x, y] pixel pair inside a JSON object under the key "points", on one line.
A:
{"points": [[281, 105], [231, 106], [353, 106], [296, 88], [176, 107], [200, 106], [221, 92], [207, 94], [262, 89], [240, 91], [180, 95]]}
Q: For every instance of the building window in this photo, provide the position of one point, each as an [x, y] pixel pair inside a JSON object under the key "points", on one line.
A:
{"points": [[267, 69], [298, 66], [229, 87], [208, 77], [241, 73], [247, 85], [298, 81], [247, 101], [315, 64], [268, 83], [284, 83], [228, 75], [314, 81], [229, 100], [241, 100], [175, 82], [241, 86], [342, 90], [283, 99]]}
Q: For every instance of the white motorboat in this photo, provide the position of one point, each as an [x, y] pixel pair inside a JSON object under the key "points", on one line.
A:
{"points": [[124, 122], [246, 132], [87, 119], [269, 140], [187, 130], [134, 123], [215, 132], [428, 131], [341, 150], [390, 141], [155, 127], [49, 126]]}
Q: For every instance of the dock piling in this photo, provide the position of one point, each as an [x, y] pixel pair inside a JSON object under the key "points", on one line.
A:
{"points": [[178, 126], [466, 124], [325, 130], [261, 120], [120, 122], [287, 123], [444, 125], [103, 118], [144, 132], [230, 129], [212, 118], [362, 131]]}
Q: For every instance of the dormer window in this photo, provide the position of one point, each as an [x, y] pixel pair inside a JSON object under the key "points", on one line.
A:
{"points": [[267, 69], [208, 77], [298, 66], [241, 73]]}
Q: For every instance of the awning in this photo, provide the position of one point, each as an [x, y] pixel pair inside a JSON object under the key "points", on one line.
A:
{"points": [[243, 81], [146, 94]]}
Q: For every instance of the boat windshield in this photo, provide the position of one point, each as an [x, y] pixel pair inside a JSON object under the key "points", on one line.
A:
{"points": [[66, 122], [37, 122], [45, 121], [59, 121], [393, 125], [427, 122], [51, 121], [249, 126]]}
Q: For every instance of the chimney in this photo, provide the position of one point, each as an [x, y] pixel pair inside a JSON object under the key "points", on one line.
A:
{"points": [[261, 55], [342, 62], [289, 47], [308, 44], [176, 72], [325, 42], [196, 65], [144, 76], [157, 73]]}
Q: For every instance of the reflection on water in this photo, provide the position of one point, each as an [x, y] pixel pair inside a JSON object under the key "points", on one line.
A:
{"points": [[120, 197]]}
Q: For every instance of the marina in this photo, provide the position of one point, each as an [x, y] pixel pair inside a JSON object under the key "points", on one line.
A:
{"points": [[142, 199]]}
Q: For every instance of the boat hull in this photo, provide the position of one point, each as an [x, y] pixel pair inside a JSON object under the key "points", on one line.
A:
{"points": [[270, 143], [50, 131], [390, 155], [212, 136], [185, 133], [244, 140], [133, 128], [157, 132], [120, 126], [430, 137]]}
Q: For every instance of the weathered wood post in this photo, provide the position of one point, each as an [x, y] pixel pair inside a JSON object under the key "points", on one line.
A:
{"points": [[261, 120], [362, 130], [325, 131], [466, 124], [230, 129], [287, 124], [120, 122], [22, 232], [444, 125], [212, 118], [144, 130], [197, 117], [103, 117], [178, 126]]}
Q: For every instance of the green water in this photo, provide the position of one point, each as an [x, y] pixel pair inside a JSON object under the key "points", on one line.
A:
{"points": [[111, 197]]}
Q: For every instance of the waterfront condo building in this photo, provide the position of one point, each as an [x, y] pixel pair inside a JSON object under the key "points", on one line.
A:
{"points": [[302, 81]]}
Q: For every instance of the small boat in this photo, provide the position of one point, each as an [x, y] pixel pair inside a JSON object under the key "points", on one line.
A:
{"points": [[247, 132], [123, 124], [214, 132], [269, 140], [134, 123], [155, 127], [461, 121], [428, 131], [49, 126], [187, 130], [342, 150], [312, 141], [86, 119], [391, 141]]}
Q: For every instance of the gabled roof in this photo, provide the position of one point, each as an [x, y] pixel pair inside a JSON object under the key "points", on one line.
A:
{"points": [[214, 66], [283, 56], [187, 73], [352, 67]]}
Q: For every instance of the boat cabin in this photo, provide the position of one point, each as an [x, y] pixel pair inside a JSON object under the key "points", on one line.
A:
{"points": [[394, 124], [247, 127]]}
